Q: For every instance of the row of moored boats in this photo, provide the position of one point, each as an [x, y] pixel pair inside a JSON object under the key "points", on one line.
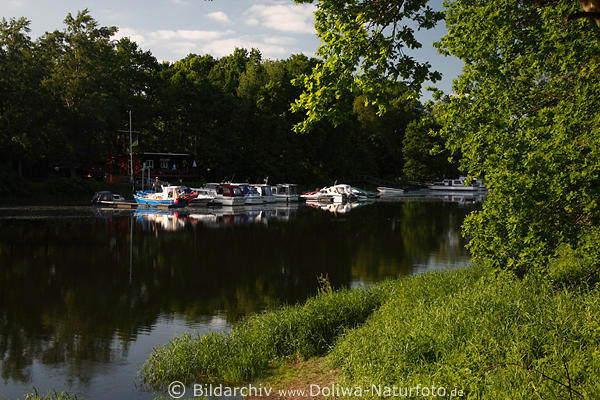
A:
{"points": [[234, 194], [228, 194]]}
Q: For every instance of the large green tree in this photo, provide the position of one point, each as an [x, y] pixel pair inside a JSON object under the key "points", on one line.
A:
{"points": [[81, 80], [22, 101], [524, 113], [525, 117]]}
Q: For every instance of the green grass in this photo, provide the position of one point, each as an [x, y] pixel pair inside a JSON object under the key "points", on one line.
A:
{"points": [[51, 395], [490, 335], [255, 344], [497, 338]]}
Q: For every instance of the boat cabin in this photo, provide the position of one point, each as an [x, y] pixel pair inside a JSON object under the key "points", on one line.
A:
{"points": [[227, 190], [288, 189]]}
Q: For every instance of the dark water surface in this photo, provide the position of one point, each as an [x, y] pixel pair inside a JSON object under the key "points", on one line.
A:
{"points": [[85, 293]]}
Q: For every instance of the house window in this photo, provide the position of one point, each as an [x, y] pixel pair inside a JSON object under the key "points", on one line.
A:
{"points": [[164, 163], [149, 163]]}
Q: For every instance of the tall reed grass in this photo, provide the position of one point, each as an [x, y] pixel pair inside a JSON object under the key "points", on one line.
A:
{"points": [[482, 333], [496, 338], [252, 345]]}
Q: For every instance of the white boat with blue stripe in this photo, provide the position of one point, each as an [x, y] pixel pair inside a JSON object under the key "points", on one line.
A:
{"points": [[170, 196]]}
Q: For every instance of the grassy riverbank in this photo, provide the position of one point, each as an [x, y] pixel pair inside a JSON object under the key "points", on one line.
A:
{"points": [[489, 335]]}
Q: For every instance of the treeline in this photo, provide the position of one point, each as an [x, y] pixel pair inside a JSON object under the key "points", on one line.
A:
{"points": [[66, 95]]}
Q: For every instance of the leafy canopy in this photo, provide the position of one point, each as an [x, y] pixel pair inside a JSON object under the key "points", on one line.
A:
{"points": [[524, 115], [363, 50]]}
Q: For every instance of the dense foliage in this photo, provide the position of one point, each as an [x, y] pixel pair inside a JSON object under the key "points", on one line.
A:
{"points": [[66, 95], [363, 50], [425, 155], [525, 116]]}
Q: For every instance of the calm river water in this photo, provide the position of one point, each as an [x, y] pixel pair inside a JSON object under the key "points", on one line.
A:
{"points": [[86, 293]]}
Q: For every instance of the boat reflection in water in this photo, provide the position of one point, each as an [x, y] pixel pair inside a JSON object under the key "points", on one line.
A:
{"points": [[460, 198], [175, 220], [165, 220], [338, 208]]}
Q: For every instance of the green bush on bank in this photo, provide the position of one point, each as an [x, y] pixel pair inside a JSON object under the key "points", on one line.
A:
{"points": [[580, 265]]}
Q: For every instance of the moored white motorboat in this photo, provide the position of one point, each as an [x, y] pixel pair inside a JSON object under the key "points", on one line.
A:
{"points": [[339, 193], [460, 184], [229, 195], [251, 195], [107, 198], [170, 196], [265, 192], [285, 192], [204, 195]]}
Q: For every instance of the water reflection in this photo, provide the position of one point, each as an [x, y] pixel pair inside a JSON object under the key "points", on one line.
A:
{"points": [[84, 299], [337, 208]]}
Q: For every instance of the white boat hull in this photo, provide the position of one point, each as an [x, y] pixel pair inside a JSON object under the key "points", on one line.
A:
{"points": [[253, 200], [286, 198], [230, 201]]}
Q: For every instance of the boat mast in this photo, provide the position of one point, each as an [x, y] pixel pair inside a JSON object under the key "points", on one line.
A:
{"points": [[130, 150]]}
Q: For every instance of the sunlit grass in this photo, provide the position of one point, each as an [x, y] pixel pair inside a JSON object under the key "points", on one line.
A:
{"points": [[471, 331], [252, 345]]}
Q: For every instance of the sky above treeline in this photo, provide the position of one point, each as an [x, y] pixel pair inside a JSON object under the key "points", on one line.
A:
{"points": [[171, 29]]}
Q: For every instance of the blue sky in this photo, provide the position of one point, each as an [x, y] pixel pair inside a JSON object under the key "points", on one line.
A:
{"points": [[171, 29]]}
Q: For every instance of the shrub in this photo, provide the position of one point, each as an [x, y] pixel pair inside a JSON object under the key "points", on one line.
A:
{"points": [[578, 265]]}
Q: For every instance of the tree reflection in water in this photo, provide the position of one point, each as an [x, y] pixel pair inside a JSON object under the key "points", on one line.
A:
{"points": [[77, 292]]}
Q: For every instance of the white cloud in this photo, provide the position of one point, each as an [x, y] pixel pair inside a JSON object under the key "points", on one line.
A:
{"points": [[16, 3], [132, 34], [279, 30], [219, 16], [280, 40], [178, 2], [285, 17], [189, 35], [178, 42]]}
